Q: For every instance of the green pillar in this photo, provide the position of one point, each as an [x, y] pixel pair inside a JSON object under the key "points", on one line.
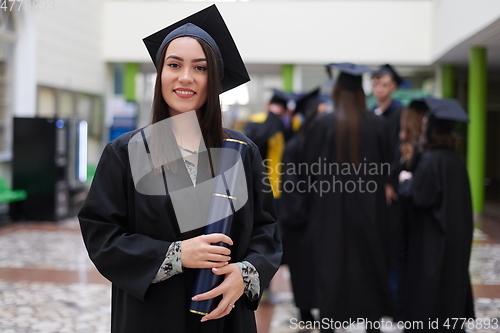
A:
{"points": [[476, 137], [131, 70], [287, 77], [447, 81]]}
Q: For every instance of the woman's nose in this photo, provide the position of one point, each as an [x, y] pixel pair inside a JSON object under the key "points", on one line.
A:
{"points": [[185, 75]]}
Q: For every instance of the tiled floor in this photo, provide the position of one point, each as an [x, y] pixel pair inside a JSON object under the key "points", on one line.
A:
{"points": [[48, 284], [485, 275]]}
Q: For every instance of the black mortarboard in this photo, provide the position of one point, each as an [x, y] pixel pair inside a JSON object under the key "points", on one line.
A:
{"points": [[446, 109], [281, 97], [418, 104], [387, 69], [208, 25], [307, 101], [350, 77], [444, 113]]}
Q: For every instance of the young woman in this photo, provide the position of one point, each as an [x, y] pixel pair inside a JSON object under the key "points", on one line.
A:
{"points": [[137, 239], [411, 126], [346, 152], [440, 225]]}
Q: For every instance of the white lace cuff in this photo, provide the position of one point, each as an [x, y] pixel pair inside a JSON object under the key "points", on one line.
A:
{"points": [[251, 279], [171, 265]]}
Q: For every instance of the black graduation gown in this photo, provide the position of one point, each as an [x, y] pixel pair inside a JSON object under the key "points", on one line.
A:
{"points": [[261, 132], [392, 118], [350, 229], [127, 235], [437, 282], [297, 234], [270, 135]]}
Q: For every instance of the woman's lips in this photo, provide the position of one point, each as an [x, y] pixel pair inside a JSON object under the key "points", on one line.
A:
{"points": [[184, 93]]}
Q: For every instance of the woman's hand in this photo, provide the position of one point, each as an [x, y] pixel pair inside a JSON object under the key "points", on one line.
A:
{"points": [[198, 252], [231, 290], [390, 195], [405, 175]]}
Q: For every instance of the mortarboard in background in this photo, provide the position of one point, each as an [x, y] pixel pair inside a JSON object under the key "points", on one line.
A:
{"points": [[282, 98], [208, 25], [307, 101], [387, 69], [350, 77], [446, 109], [418, 104], [445, 113]]}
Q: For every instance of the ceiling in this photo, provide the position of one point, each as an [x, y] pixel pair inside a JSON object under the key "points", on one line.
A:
{"points": [[488, 38]]}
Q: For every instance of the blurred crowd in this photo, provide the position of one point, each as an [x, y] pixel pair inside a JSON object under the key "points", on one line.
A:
{"points": [[374, 204]]}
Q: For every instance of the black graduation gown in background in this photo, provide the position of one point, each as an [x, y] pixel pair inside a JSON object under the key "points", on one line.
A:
{"points": [[437, 282], [297, 234], [127, 235], [392, 118], [268, 132], [350, 229], [261, 131]]}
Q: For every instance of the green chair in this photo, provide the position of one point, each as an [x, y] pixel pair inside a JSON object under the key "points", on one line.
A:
{"points": [[8, 195]]}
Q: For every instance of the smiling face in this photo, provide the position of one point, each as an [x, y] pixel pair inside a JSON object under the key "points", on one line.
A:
{"points": [[184, 76]]}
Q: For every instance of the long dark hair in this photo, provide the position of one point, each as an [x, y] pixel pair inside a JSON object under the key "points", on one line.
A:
{"points": [[209, 116], [350, 107], [410, 133]]}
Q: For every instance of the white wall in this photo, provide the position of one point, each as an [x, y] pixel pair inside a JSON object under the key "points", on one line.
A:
{"points": [[456, 20], [24, 67], [68, 45], [301, 32]]}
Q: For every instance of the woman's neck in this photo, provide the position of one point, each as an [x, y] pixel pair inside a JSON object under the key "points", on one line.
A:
{"points": [[187, 130]]}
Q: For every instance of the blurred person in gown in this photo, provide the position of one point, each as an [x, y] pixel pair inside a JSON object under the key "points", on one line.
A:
{"points": [[347, 157], [137, 240], [412, 119], [385, 82], [296, 232], [410, 135], [440, 228], [270, 131]]}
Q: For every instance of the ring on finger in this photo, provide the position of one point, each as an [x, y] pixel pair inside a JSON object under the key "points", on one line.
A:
{"points": [[231, 305]]}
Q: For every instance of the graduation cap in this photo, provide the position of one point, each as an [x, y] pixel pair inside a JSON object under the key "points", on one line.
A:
{"points": [[387, 69], [350, 77], [418, 104], [444, 113], [446, 109], [209, 26], [307, 101], [282, 98]]}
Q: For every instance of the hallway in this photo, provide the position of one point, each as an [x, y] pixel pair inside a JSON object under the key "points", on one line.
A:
{"points": [[48, 284]]}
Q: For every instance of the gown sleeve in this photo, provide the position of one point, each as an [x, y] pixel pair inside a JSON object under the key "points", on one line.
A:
{"points": [[426, 185], [171, 265], [129, 260]]}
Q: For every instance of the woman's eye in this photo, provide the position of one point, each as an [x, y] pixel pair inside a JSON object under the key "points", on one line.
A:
{"points": [[201, 68], [173, 65]]}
